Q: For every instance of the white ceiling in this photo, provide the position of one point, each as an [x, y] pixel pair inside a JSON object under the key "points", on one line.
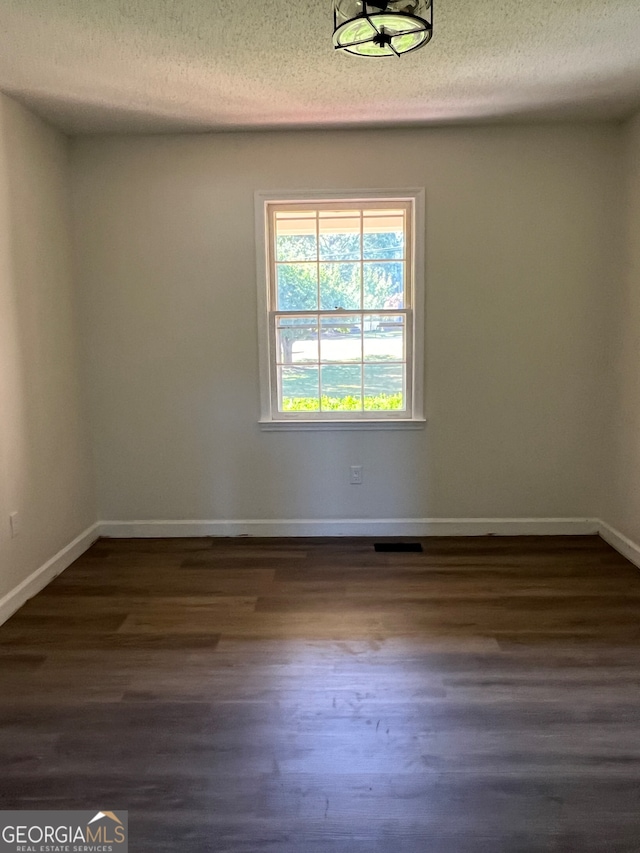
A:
{"points": [[155, 65]]}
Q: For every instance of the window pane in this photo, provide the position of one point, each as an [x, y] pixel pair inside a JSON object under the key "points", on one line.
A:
{"points": [[383, 285], [383, 236], [296, 340], [341, 387], [339, 235], [340, 286], [384, 387], [297, 287], [340, 338], [283, 215], [384, 338], [299, 389], [300, 247]]}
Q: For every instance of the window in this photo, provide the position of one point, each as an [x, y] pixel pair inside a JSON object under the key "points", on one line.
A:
{"points": [[341, 309]]}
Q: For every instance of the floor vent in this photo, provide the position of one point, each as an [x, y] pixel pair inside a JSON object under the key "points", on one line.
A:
{"points": [[398, 546]]}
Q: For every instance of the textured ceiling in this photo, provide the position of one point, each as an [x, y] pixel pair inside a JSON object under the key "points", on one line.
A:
{"points": [[154, 65]]}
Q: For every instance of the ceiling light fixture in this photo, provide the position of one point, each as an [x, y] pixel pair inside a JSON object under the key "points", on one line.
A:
{"points": [[381, 27]]}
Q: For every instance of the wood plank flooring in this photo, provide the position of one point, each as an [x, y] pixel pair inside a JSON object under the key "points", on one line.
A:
{"points": [[314, 696]]}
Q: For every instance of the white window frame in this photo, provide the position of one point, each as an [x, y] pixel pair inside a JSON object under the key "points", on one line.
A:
{"points": [[270, 417]]}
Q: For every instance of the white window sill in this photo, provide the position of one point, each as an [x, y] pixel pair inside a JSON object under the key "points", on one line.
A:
{"points": [[407, 424]]}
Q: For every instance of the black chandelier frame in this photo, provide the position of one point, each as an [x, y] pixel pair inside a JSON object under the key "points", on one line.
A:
{"points": [[382, 38]]}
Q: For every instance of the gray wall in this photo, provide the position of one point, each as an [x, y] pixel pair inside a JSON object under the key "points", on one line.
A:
{"points": [[45, 463], [520, 241], [621, 504]]}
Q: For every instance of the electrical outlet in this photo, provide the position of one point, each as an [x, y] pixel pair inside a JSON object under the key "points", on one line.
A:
{"points": [[356, 475], [13, 524]]}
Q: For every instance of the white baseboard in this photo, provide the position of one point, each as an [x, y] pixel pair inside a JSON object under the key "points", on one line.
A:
{"points": [[620, 542], [37, 580], [353, 527], [13, 600], [315, 527]]}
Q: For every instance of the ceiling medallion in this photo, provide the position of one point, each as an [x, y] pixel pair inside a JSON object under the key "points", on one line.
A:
{"points": [[381, 27]]}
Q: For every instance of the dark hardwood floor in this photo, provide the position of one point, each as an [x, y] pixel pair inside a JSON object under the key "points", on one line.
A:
{"points": [[311, 696]]}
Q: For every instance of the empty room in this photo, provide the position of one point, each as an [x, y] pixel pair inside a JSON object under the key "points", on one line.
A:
{"points": [[319, 426]]}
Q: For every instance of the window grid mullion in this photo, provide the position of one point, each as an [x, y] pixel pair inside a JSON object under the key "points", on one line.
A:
{"points": [[361, 259], [362, 360], [361, 310], [318, 257], [319, 361], [276, 384], [346, 312], [318, 306]]}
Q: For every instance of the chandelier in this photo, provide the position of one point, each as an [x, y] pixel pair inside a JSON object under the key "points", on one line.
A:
{"points": [[381, 27]]}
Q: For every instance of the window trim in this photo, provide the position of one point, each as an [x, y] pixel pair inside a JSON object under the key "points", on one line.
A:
{"points": [[273, 420]]}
